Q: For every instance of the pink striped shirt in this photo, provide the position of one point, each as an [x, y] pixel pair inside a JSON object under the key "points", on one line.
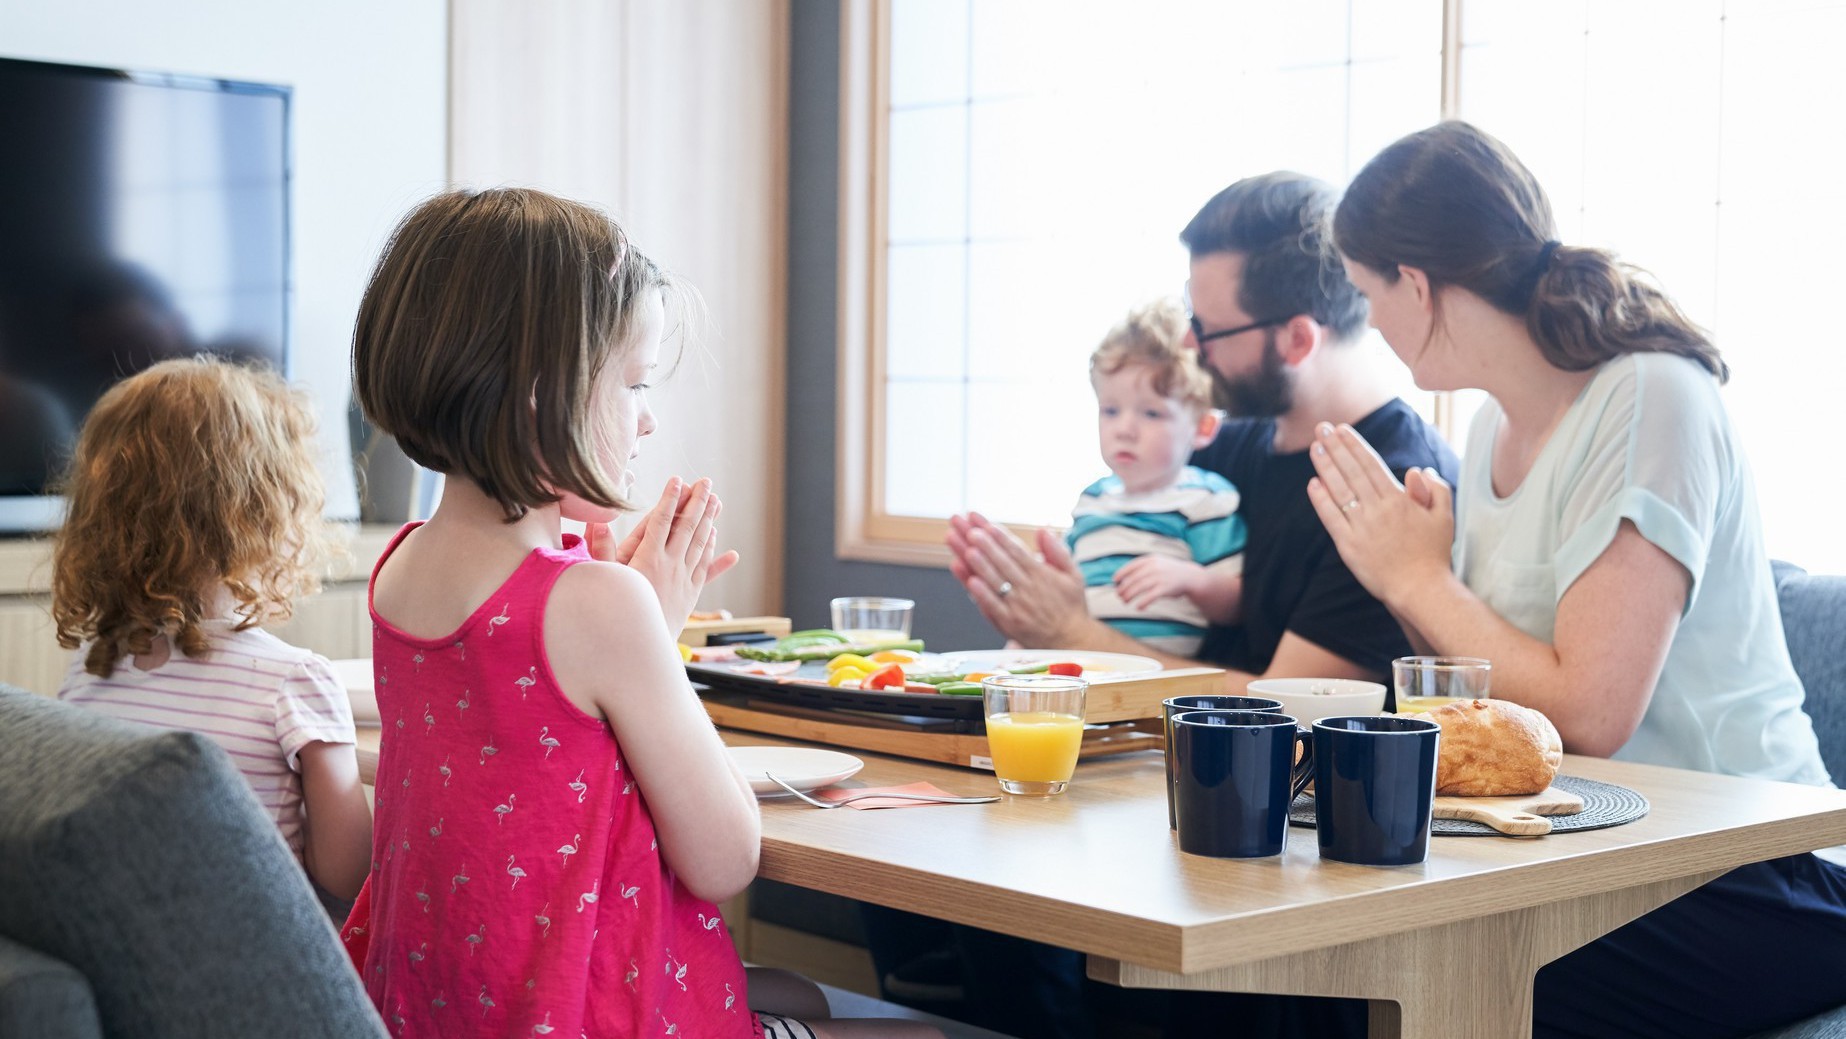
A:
{"points": [[259, 698]]}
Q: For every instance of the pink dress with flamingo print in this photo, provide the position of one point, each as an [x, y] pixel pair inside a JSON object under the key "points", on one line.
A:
{"points": [[517, 886]]}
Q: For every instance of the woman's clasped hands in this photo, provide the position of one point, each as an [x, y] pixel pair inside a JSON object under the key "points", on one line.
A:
{"points": [[1394, 537], [674, 546]]}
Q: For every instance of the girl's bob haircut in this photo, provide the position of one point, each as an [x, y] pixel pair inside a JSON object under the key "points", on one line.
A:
{"points": [[189, 476], [483, 330]]}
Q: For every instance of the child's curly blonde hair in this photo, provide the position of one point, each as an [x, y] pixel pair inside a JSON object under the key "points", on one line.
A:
{"points": [[1155, 335], [188, 476]]}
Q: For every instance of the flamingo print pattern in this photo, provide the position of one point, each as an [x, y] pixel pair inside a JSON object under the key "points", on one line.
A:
{"points": [[679, 973]]}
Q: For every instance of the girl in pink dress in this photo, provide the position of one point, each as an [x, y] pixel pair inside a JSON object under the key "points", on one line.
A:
{"points": [[555, 815]]}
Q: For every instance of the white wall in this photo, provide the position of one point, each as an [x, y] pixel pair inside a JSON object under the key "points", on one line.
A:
{"points": [[672, 115], [370, 135]]}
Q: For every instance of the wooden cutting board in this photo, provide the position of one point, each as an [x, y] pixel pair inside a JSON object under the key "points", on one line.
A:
{"points": [[1519, 816]]}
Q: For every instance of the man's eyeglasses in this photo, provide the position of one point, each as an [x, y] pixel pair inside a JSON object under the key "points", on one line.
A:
{"points": [[1203, 337]]}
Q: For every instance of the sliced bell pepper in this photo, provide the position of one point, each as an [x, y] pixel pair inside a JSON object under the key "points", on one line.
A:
{"points": [[841, 675], [884, 678], [1071, 670], [850, 660]]}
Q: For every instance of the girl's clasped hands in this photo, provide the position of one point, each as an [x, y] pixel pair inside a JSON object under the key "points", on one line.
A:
{"points": [[674, 546]]}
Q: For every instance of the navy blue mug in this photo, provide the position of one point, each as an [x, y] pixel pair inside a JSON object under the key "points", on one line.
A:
{"points": [[1374, 787], [1202, 702], [1237, 776]]}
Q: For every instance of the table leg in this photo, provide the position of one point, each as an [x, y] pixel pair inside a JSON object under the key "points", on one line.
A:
{"points": [[1463, 978]]}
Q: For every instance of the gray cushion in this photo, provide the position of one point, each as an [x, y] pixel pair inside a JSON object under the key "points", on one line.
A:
{"points": [[1830, 1025], [43, 996], [141, 858], [1814, 620]]}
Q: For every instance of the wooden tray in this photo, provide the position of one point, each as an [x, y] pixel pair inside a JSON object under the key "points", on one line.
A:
{"points": [[1122, 714], [1110, 699], [697, 633]]}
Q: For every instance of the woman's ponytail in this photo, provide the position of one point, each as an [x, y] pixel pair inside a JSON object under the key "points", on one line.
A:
{"points": [[1587, 307]]}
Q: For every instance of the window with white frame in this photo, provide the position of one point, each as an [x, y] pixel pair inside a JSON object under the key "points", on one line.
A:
{"points": [[1023, 168]]}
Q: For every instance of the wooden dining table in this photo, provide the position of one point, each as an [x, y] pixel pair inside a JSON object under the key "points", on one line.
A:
{"points": [[1445, 948]]}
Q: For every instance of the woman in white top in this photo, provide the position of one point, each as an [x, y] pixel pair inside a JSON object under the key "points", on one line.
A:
{"points": [[1604, 552]]}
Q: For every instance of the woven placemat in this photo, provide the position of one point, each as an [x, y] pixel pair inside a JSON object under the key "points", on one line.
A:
{"points": [[1604, 804]]}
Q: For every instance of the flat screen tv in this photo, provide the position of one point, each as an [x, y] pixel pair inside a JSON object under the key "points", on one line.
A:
{"points": [[142, 216]]}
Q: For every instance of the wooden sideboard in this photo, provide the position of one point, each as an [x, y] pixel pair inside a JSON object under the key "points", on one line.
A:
{"points": [[332, 623]]}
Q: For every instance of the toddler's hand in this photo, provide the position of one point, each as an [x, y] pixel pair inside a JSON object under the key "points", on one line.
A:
{"points": [[675, 546], [1149, 579]]}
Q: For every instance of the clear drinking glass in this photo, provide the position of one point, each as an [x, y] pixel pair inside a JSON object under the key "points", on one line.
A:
{"points": [[1421, 683], [1034, 730], [871, 618]]}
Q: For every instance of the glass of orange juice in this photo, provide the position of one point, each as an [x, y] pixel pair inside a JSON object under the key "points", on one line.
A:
{"points": [[1034, 729], [1421, 683]]}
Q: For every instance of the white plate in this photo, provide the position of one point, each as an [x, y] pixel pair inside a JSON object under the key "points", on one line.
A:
{"points": [[804, 768], [1095, 665]]}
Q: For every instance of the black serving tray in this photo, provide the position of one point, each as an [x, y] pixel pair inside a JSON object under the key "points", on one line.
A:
{"points": [[807, 687]]}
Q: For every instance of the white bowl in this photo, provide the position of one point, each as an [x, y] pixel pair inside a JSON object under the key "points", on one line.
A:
{"points": [[1308, 700]]}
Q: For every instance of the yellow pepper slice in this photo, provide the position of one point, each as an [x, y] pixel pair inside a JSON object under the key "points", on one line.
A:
{"points": [[841, 675], [849, 660], [685, 653]]}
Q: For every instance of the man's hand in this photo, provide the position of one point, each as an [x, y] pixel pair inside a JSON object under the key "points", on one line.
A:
{"points": [[1145, 581], [1036, 600]]}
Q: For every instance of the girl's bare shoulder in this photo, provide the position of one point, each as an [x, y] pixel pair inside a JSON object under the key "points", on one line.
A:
{"points": [[605, 601]]}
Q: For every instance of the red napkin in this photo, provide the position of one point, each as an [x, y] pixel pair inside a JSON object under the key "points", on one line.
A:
{"points": [[841, 793]]}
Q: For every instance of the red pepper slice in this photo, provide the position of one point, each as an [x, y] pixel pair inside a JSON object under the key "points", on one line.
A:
{"points": [[1073, 670], [885, 678]]}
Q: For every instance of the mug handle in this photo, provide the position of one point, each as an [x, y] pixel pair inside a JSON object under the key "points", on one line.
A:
{"points": [[1303, 771]]}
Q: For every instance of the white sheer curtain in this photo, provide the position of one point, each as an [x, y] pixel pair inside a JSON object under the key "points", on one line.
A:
{"points": [[1714, 171]]}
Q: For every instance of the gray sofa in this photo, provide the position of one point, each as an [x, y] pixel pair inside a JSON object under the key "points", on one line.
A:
{"points": [[144, 893], [1814, 620]]}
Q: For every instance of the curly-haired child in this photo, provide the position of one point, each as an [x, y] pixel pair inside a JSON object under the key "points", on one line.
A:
{"points": [[194, 517], [1159, 541]]}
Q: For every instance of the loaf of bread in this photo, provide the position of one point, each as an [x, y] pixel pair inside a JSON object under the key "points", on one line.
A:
{"points": [[1495, 748]]}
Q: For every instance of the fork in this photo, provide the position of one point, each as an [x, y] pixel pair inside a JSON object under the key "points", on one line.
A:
{"points": [[842, 802]]}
